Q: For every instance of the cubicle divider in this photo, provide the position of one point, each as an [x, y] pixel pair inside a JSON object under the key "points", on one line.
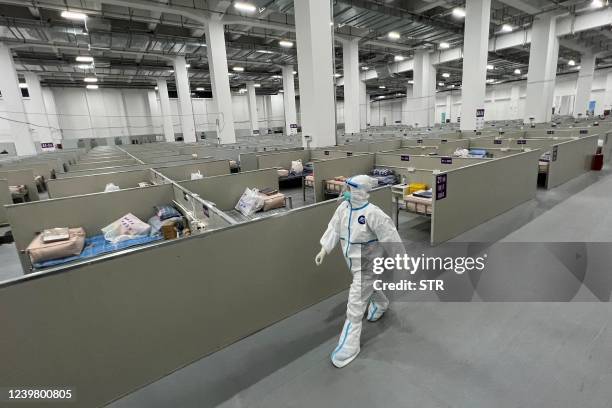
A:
{"points": [[5, 199], [474, 194], [22, 177], [102, 164], [441, 163], [331, 154], [570, 159], [347, 167], [207, 169], [47, 169], [226, 190], [96, 183], [139, 316], [282, 159]]}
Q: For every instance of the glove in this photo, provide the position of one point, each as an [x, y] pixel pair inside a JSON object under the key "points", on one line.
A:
{"points": [[320, 256]]}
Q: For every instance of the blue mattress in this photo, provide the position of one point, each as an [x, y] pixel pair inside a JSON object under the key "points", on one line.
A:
{"points": [[96, 246]]}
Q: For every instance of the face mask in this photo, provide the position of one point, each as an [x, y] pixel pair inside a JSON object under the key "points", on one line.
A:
{"points": [[347, 196]]}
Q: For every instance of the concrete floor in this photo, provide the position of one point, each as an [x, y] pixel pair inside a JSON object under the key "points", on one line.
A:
{"points": [[429, 354]]}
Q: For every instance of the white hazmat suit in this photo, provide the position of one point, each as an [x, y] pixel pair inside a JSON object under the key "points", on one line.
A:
{"points": [[359, 226]]}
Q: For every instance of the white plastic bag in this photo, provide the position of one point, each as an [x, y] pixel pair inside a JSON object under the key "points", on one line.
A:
{"points": [[462, 153], [297, 167], [111, 187], [197, 176], [250, 202], [127, 227]]}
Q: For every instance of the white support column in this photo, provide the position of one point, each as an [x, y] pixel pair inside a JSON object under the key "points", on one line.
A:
{"points": [[154, 112], [269, 113], [184, 96], [13, 102], [37, 114], [52, 116], [166, 113], [475, 53], [543, 58], [449, 105], [364, 105], [350, 51], [222, 96], [421, 104], [515, 96], [608, 92], [584, 84], [289, 100], [316, 75], [252, 101]]}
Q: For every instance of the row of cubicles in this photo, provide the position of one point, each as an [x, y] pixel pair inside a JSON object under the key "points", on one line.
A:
{"points": [[101, 309]]}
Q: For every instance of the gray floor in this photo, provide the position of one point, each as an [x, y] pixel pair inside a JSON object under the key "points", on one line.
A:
{"points": [[429, 354]]}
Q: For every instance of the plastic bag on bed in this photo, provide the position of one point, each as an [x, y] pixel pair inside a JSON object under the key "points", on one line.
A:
{"points": [[250, 202], [297, 167], [127, 227], [197, 176]]}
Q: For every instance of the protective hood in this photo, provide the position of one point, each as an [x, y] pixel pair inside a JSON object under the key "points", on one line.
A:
{"points": [[360, 187]]}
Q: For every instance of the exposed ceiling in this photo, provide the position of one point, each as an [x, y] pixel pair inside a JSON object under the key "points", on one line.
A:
{"points": [[133, 41]]}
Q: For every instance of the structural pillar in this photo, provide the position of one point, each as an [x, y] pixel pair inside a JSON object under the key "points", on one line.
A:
{"points": [[475, 53], [219, 79], [421, 104], [184, 97], [13, 102], [364, 105], [350, 52], [166, 113], [584, 84], [449, 107], [608, 93], [542, 69], [38, 111], [515, 96], [252, 100], [289, 100], [316, 61]]}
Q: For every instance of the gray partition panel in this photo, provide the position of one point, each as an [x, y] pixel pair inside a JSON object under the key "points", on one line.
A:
{"points": [[347, 167], [571, 159], [5, 199], [92, 212], [477, 193], [425, 162], [248, 161], [283, 159], [208, 169], [225, 191], [102, 164], [111, 326], [19, 177], [331, 154], [71, 186]]}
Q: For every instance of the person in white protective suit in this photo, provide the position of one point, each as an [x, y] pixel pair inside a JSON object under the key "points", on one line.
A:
{"points": [[359, 226]]}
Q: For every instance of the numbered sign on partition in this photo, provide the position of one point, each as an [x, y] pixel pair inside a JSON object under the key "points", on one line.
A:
{"points": [[555, 152], [420, 141], [550, 132], [349, 154], [205, 211], [446, 160], [584, 131], [405, 157], [497, 141], [441, 184], [47, 146], [480, 114], [521, 142]]}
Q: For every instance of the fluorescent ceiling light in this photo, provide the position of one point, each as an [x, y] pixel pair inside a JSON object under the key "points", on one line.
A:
{"points": [[597, 4], [394, 35], [199, 89], [285, 43], [277, 76], [187, 65], [490, 67], [247, 7], [84, 66], [517, 71], [91, 79], [257, 85], [578, 67], [444, 45], [459, 12], [440, 83], [23, 85], [157, 88], [507, 28], [571, 63], [489, 80], [365, 68], [242, 90], [398, 58], [294, 72], [84, 58], [411, 82], [74, 15], [265, 51], [238, 69], [452, 86], [92, 86], [337, 75], [203, 45], [382, 87], [446, 75]]}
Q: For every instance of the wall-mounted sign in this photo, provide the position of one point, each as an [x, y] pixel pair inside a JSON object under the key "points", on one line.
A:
{"points": [[326, 152], [584, 131], [550, 132], [441, 184], [46, 145], [521, 142], [497, 141], [420, 141], [443, 141], [555, 151], [480, 113], [349, 154], [255, 131], [293, 126], [446, 160], [405, 157]]}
